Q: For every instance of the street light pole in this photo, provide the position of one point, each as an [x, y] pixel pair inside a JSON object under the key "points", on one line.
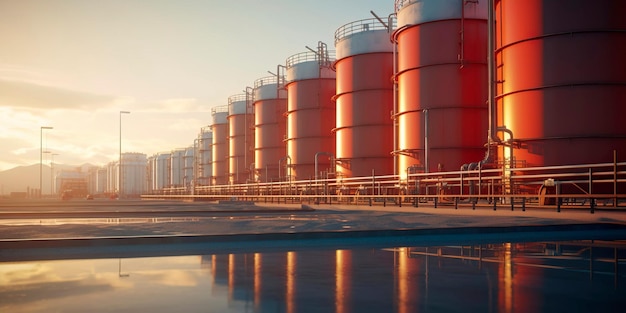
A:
{"points": [[119, 165], [41, 157], [52, 173]]}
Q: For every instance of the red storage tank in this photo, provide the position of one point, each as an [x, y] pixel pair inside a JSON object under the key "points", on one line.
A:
{"points": [[442, 112], [270, 127], [310, 113], [219, 146], [364, 99], [561, 72], [240, 138]]}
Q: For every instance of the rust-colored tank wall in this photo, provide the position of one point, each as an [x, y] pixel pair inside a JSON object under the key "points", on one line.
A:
{"points": [[364, 104], [562, 75], [240, 141], [310, 120], [270, 130], [432, 77], [219, 154]]}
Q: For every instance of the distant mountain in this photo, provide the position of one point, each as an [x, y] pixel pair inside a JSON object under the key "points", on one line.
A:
{"points": [[24, 178]]}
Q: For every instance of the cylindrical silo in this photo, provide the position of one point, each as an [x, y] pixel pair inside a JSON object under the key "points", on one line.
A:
{"points": [[161, 171], [270, 127], [204, 170], [561, 80], [133, 174], [177, 165], [188, 169], [219, 146], [240, 138], [150, 165], [101, 181], [310, 114], [442, 112], [112, 174], [364, 100]]}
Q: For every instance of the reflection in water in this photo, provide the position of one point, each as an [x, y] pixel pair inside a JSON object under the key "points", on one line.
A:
{"points": [[343, 280], [521, 277], [258, 269], [407, 281], [507, 281], [291, 282], [231, 276]]}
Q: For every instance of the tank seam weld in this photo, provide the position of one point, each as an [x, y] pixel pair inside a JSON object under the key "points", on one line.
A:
{"points": [[559, 34], [561, 86], [439, 108], [358, 90], [465, 64], [358, 126]]}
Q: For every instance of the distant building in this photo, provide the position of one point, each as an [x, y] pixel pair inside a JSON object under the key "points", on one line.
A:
{"points": [[73, 182]]}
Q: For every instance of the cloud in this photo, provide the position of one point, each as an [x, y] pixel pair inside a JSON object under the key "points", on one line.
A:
{"points": [[29, 95]]}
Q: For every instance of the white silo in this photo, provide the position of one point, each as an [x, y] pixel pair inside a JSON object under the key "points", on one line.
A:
{"points": [[161, 171], [111, 184], [133, 174], [101, 181], [177, 165], [204, 169], [150, 174], [188, 160]]}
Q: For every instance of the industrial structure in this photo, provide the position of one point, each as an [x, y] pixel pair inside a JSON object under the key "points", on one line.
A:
{"points": [[364, 98], [310, 114], [270, 126], [444, 100]]}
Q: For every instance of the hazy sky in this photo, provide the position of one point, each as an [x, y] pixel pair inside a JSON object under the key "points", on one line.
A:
{"points": [[74, 64]]}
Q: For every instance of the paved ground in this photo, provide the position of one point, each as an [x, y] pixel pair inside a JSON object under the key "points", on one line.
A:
{"points": [[94, 219], [104, 229]]}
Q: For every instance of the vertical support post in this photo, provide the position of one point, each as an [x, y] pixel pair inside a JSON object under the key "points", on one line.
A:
{"points": [[426, 165], [614, 178], [524, 204], [558, 198], [461, 185], [456, 203], [479, 180], [591, 200]]}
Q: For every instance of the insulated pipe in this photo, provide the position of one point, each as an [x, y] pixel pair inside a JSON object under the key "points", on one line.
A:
{"points": [[280, 165], [425, 141], [249, 100], [491, 74], [316, 155], [395, 97], [508, 131], [195, 166]]}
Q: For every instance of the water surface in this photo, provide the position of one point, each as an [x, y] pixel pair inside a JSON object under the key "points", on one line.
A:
{"points": [[573, 276]]}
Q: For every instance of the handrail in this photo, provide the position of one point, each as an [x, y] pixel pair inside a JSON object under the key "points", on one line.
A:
{"points": [[268, 80], [522, 183], [308, 56], [364, 25], [219, 109]]}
